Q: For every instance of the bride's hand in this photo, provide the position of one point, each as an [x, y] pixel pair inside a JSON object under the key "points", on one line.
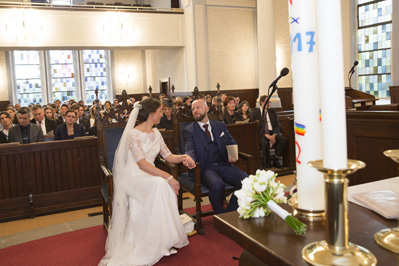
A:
{"points": [[175, 185], [188, 162]]}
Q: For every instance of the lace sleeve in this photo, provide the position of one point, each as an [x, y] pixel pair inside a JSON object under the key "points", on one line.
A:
{"points": [[134, 146], [165, 152]]}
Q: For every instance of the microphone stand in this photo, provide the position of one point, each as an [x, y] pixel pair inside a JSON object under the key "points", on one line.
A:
{"points": [[350, 77], [263, 124]]}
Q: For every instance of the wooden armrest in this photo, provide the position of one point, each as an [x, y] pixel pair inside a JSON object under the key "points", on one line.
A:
{"points": [[244, 156], [249, 161], [163, 162], [106, 171], [173, 170]]}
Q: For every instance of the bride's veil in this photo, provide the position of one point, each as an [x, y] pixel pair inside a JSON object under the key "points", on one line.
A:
{"points": [[123, 169]]}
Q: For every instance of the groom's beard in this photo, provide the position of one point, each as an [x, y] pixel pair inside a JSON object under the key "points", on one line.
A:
{"points": [[199, 118]]}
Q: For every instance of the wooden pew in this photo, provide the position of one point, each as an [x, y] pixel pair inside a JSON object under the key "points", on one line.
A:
{"points": [[369, 133], [43, 178]]}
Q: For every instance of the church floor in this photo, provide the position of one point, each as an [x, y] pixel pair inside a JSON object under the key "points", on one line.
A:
{"points": [[21, 231]]}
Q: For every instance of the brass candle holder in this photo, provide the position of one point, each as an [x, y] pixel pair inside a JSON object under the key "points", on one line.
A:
{"points": [[389, 238], [336, 249]]}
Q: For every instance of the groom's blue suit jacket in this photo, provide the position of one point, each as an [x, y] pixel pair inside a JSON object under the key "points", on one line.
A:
{"points": [[196, 141]]}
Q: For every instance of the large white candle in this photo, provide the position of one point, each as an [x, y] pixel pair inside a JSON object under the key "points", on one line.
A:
{"points": [[329, 27], [305, 73]]}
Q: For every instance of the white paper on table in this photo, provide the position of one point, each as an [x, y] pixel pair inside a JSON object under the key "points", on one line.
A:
{"points": [[232, 151], [383, 202]]}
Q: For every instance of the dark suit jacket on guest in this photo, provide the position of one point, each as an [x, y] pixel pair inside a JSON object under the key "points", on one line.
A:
{"points": [[60, 120], [196, 143], [50, 124], [256, 115], [3, 138], [61, 133], [229, 120], [35, 135], [165, 123]]}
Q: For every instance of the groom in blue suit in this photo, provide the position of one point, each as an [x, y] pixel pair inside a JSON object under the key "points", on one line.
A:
{"points": [[205, 141]]}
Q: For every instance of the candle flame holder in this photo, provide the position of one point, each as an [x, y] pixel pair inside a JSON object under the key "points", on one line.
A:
{"points": [[336, 249], [389, 238]]}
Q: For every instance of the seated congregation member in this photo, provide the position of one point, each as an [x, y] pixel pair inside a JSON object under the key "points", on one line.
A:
{"points": [[270, 133], [70, 129], [25, 132], [107, 108], [82, 120], [61, 118], [230, 116], [14, 117], [145, 224], [166, 120], [205, 141], [49, 113], [92, 128], [48, 126], [245, 110], [5, 121]]}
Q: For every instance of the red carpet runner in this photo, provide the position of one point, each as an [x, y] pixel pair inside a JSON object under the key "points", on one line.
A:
{"points": [[86, 247]]}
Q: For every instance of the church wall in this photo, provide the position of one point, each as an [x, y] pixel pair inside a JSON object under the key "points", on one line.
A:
{"points": [[232, 47]]}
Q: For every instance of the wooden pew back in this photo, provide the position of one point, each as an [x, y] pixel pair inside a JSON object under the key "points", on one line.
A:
{"points": [[41, 178]]}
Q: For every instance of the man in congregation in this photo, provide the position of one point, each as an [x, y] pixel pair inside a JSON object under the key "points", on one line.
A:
{"points": [[25, 132], [48, 126], [271, 133], [205, 141]]}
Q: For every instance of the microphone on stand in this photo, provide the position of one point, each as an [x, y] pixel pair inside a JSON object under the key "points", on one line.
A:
{"points": [[283, 72], [351, 73], [353, 68]]}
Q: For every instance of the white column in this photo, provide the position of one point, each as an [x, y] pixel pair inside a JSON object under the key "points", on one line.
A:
{"points": [[266, 48]]}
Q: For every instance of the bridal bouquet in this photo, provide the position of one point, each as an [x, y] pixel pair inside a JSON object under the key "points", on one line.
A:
{"points": [[260, 194]]}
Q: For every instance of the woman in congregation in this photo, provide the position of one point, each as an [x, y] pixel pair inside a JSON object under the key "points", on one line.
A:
{"points": [[49, 113], [230, 116], [14, 118], [145, 224], [70, 129], [245, 110], [166, 120], [5, 120]]}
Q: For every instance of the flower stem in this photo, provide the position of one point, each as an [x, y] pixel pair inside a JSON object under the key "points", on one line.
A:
{"points": [[298, 227]]}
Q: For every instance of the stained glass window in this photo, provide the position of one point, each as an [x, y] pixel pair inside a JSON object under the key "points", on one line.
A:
{"points": [[28, 81], [95, 73], [71, 74], [63, 81], [374, 46]]}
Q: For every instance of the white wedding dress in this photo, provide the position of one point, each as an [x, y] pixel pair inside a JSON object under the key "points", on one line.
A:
{"points": [[146, 205]]}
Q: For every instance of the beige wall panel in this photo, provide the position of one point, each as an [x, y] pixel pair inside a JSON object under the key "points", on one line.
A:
{"points": [[3, 77], [232, 47], [128, 71], [168, 63], [282, 37]]}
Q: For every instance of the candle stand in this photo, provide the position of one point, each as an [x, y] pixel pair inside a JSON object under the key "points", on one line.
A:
{"points": [[389, 238], [336, 249]]}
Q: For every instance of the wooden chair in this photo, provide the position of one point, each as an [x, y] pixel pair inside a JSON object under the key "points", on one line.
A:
{"points": [[195, 187]]}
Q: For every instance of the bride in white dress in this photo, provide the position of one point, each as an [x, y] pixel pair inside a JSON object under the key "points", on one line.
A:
{"points": [[145, 224]]}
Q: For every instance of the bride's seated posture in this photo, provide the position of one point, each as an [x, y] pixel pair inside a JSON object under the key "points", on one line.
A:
{"points": [[145, 224]]}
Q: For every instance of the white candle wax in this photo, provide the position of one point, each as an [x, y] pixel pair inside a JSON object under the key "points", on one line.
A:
{"points": [[329, 26], [308, 135]]}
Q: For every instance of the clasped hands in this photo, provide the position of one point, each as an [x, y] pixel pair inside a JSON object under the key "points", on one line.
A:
{"points": [[271, 138], [188, 162]]}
